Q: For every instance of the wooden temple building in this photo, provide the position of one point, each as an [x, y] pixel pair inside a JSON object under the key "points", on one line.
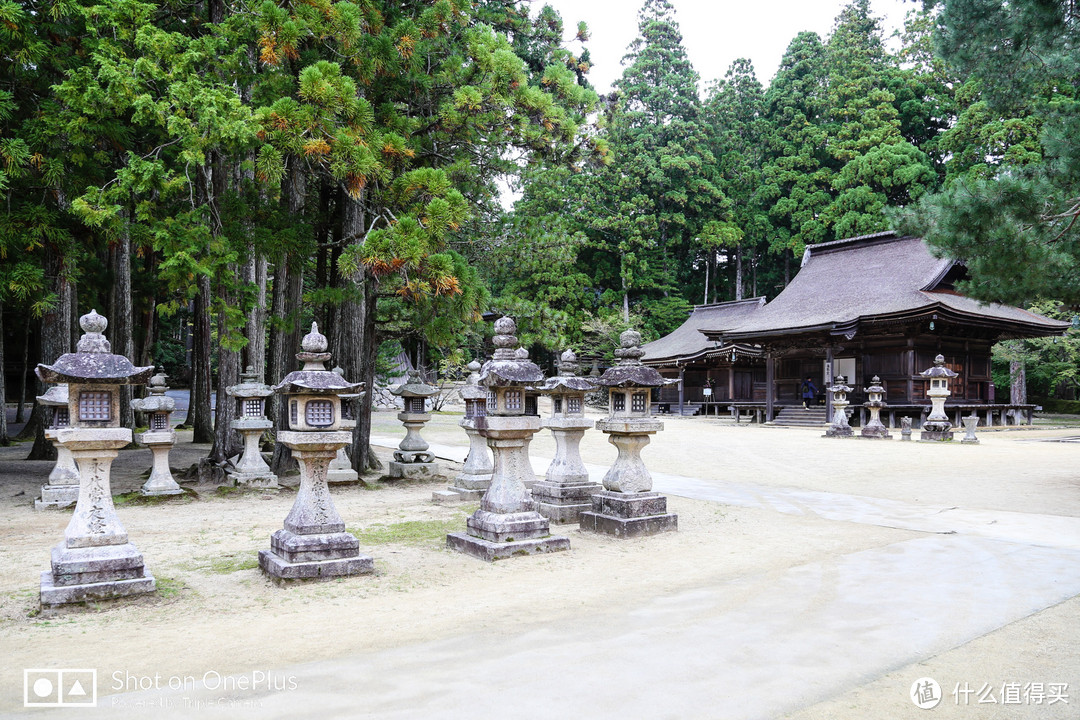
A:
{"points": [[876, 305]]}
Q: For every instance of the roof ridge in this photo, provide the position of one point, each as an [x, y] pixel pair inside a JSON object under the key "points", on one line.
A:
{"points": [[759, 300], [843, 244]]}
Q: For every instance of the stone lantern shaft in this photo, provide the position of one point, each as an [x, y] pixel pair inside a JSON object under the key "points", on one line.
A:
{"points": [[475, 476], [159, 437]]}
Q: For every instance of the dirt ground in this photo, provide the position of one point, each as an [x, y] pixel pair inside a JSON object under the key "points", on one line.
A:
{"points": [[214, 610]]}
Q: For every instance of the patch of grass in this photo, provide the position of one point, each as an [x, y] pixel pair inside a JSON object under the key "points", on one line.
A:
{"points": [[168, 587], [224, 564], [137, 498], [409, 532]]}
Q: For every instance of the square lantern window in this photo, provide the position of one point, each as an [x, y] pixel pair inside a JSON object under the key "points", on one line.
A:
{"points": [[253, 407], [470, 409], [637, 402], [532, 407], [512, 398], [618, 402], [493, 400], [416, 405], [159, 421], [95, 406], [480, 408], [293, 416], [573, 405], [319, 413], [63, 417], [556, 405]]}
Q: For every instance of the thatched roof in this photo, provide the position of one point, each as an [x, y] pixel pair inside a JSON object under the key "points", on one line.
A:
{"points": [[875, 279], [687, 343]]}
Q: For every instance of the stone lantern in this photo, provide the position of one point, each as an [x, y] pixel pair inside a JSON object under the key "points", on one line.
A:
{"points": [[507, 523], [95, 561], [251, 422], [62, 490], [627, 507], [566, 491], [937, 427], [341, 471], [475, 476], [874, 428], [313, 544], [411, 459], [159, 437], [839, 426]]}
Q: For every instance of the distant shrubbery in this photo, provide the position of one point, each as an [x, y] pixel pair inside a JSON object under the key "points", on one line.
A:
{"points": [[1067, 407]]}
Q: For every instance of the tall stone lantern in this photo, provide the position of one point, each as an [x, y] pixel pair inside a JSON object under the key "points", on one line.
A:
{"points": [[313, 544], [95, 561], [874, 427], [566, 491], [937, 427], [475, 475], [507, 523], [251, 422], [627, 506], [62, 489], [412, 459], [159, 437], [839, 426]]}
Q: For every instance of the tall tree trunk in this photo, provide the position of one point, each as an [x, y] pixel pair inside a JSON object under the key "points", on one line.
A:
{"points": [[738, 273], [290, 284], [23, 373], [56, 339], [226, 440], [4, 439], [255, 329], [123, 339], [200, 414], [146, 350], [1017, 382]]}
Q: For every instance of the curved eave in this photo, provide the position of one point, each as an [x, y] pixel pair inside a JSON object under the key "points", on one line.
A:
{"points": [[741, 349]]}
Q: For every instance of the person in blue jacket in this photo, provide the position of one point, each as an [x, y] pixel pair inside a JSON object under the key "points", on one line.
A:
{"points": [[809, 392]]}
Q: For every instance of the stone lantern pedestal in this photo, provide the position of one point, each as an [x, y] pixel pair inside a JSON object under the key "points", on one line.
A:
{"points": [[970, 423], [251, 470], [160, 437], [341, 471], [627, 506], [313, 544], [475, 476], [507, 524], [62, 489], [936, 427], [839, 426], [874, 428], [412, 460], [95, 561], [566, 491]]}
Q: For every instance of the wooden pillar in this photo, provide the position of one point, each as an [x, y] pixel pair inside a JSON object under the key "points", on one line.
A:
{"points": [[682, 374], [910, 362], [830, 372], [770, 386], [731, 384]]}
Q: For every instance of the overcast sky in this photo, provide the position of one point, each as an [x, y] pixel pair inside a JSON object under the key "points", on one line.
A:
{"points": [[715, 32]]}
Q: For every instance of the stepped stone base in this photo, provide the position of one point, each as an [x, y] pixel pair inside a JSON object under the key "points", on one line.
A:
{"points": [[840, 432], [318, 556], [94, 573], [412, 471], [262, 481], [936, 436], [490, 551], [564, 503], [342, 477], [455, 495], [626, 515], [57, 497], [159, 493]]}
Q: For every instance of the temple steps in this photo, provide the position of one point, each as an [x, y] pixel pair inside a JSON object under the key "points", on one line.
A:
{"points": [[798, 416]]}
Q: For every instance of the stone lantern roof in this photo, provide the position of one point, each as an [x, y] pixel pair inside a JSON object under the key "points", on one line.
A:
{"points": [[55, 396], [314, 378], [875, 386], [507, 367], [567, 381], [839, 385], [472, 390], [629, 372], [414, 388], [939, 370], [158, 400], [249, 386], [93, 362]]}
